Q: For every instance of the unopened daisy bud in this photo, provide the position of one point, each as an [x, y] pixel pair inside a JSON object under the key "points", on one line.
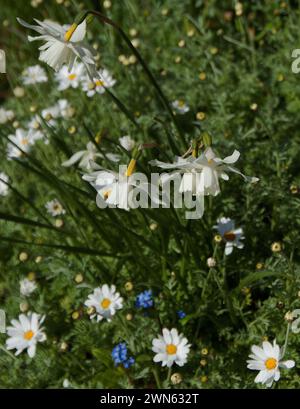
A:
{"points": [[202, 76], [164, 12], [24, 306], [203, 362], [31, 276], [191, 33], [280, 305], [72, 130], [265, 338], [294, 189], [78, 278], [204, 379], [133, 32], [5, 23], [63, 347], [280, 77], [214, 50], [38, 259], [132, 59], [211, 262], [259, 266], [91, 310], [204, 351], [238, 9], [253, 107], [200, 116], [129, 317], [75, 315], [19, 92], [107, 4], [59, 223], [176, 378], [128, 286], [218, 238], [181, 44], [289, 317], [173, 274], [276, 247], [153, 226], [122, 58], [59, 1], [177, 60], [33, 108], [246, 290], [16, 124], [135, 42], [23, 256]]}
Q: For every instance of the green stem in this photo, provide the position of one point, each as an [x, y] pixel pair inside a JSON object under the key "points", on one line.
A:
{"points": [[286, 339], [151, 77], [226, 292], [156, 377]]}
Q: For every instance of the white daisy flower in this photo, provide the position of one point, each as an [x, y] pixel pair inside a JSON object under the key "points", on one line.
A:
{"points": [[106, 301], [36, 129], [27, 287], [25, 333], [66, 110], [102, 80], [180, 106], [23, 140], [267, 360], [34, 75], [62, 46], [127, 142], [3, 186], [55, 208], [231, 235], [69, 79], [170, 348], [6, 116], [51, 114], [86, 157]]}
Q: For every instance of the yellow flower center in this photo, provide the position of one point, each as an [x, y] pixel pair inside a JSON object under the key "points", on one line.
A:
{"points": [[70, 32], [99, 83], [271, 363], [24, 141], [72, 77], [229, 236], [181, 103], [171, 349], [105, 303], [28, 335]]}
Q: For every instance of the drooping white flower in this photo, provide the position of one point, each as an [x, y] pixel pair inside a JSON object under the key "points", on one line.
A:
{"points": [[23, 140], [69, 79], [6, 115], [65, 109], [105, 301], [170, 348], [55, 208], [231, 235], [62, 46], [127, 142], [268, 360], [86, 157], [102, 80], [25, 333], [180, 106], [3, 186], [27, 287], [201, 175], [34, 75]]}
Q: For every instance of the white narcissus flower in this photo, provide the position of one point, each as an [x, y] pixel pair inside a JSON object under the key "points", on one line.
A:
{"points": [[23, 140], [3, 186], [180, 106], [34, 75], [102, 80], [127, 142], [55, 208], [231, 235], [25, 333], [27, 287], [6, 115], [106, 301], [86, 157], [268, 360], [170, 348], [62, 46], [69, 79]]}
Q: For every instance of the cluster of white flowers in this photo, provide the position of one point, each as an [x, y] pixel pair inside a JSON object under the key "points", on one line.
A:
{"points": [[34, 75], [78, 77]]}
